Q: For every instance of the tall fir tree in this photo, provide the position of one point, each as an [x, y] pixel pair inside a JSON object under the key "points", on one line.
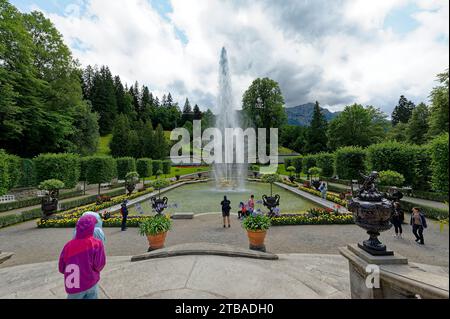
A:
{"points": [[316, 136], [120, 141], [187, 113], [104, 100], [160, 150], [403, 111], [197, 113], [417, 127]]}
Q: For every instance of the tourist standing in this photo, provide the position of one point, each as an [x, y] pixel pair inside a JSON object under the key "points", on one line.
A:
{"points": [[323, 188], [124, 212], [418, 223], [397, 220], [226, 207], [251, 204], [98, 230], [81, 261]]}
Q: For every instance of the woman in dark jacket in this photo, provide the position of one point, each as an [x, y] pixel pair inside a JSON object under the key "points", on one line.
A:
{"points": [[226, 207], [397, 219]]}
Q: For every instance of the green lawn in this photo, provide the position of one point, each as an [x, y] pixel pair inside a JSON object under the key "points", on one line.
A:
{"points": [[182, 171], [103, 145]]}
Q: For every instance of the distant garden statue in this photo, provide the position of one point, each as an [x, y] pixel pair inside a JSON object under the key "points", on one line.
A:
{"points": [[272, 201], [158, 203], [49, 203]]}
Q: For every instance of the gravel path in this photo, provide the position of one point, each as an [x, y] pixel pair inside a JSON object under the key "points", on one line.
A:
{"points": [[32, 245]]}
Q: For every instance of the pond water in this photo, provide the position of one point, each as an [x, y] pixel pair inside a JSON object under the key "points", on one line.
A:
{"points": [[204, 198]]}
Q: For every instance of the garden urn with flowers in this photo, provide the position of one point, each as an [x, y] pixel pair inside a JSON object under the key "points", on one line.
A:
{"points": [[155, 228], [256, 226]]}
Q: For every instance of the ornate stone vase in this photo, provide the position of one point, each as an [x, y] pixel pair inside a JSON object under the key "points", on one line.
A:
{"points": [[271, 202], [372, 211]]}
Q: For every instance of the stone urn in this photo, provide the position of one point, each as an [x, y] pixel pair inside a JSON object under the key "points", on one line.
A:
{"points": [[271, 202], [159, 204], [372, 211]]}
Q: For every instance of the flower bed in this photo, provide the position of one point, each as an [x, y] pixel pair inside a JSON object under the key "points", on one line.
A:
{"points": [[330, 197], [70, 222], [77, 212]]}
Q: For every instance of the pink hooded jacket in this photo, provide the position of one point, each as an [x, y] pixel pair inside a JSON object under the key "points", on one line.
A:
{"points": [[82, 258]]}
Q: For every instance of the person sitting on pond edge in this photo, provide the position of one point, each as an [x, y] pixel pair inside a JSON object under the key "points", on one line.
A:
{"points": [[226, 207]]}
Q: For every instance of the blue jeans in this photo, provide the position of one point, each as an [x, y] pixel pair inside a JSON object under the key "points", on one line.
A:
{"points": [[88, 294]]}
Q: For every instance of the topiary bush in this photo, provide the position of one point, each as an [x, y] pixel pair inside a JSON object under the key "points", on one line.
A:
{"points": [[14, 170], [308, 162], [439, 163], [144, 167], [287, 163], [100, 169], [297, 162], [391, 178], [64, 166], [124, 166], [349, 161], [325, 161], [157, 166]]}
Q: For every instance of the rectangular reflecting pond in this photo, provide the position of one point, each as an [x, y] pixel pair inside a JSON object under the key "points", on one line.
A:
{"points": [[205, 198]]}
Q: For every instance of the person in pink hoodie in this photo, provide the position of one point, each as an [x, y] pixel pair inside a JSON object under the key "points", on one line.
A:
{"points": [[81, 261]]}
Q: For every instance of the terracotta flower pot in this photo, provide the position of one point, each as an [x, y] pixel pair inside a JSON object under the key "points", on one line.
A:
{"points": [[256, 239], [157, 241]]}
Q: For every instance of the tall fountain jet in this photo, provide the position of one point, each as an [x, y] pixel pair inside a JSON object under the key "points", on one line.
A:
{"points": [[227, 175]]}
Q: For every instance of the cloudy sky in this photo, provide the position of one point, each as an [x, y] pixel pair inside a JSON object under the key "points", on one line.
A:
{"points": [[335, 51]]}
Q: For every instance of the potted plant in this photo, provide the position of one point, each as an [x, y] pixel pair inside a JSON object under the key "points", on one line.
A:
{"points": [[155, 228], [256, 226]]}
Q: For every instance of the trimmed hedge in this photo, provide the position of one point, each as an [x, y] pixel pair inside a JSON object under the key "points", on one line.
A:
{"points": [[399, 157], [65, 167], [430, 212], [8, 220], [325, 161], [100, 169], [439, 197], [4, 176], [144, 167], [166, 166], [28, 178], [124, 166], [14, 170], [349, 161], [35, 201], [439, 163]]}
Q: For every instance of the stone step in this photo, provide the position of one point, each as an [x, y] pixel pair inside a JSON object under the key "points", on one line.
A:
{"points": [[204, 249], [5, 256], [183, 216]]}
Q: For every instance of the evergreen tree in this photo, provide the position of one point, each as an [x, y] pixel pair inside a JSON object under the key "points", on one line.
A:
{"points": [[104, 99], [120, 141], [439, 110], [197, 113], [403, 111], [86, 134], [316, 136], [169, 101], [417, 128], [187, 113], [147, 143], [160, 150], [88, 82]]}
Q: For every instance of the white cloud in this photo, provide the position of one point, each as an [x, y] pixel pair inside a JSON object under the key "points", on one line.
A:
{"points": [[341, 57]]}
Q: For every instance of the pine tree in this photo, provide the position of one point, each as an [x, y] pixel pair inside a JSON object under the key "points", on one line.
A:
{"points": [[120, 141], [403, 111], [104, 99], [187, 113], [417, 128], [160, 150], [197, 113], [316, 137], [147, 143]]}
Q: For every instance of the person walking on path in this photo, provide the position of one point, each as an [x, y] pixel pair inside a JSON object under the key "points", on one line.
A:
{"points": [[98, 230], [323, 190], [226, 207], [418, 223], [81, 261], [124, 212], [397, 220]]}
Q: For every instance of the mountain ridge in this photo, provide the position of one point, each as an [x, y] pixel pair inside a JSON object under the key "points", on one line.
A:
{"points": [[301, 115]]}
